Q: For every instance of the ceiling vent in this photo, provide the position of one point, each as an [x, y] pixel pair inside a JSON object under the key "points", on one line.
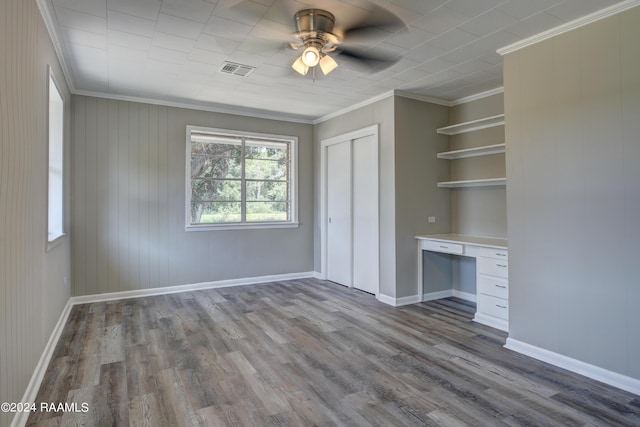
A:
{"points": [[236, 69]]}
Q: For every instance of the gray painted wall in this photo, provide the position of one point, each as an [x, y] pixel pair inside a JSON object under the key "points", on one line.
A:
{"points": [[32, 289], [128, 202], [573, 167], [417, 171]]}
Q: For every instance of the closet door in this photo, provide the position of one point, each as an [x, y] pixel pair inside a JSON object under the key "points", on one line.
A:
{"points": [[364, 174], [339, 257]]}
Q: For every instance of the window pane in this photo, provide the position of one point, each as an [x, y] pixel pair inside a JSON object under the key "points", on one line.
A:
{"points": [[211, 190], [215, 160], [267, 211], [237, 178], [266, 169], [272, 150], [267, 191], [215, 212], [55, 222]]}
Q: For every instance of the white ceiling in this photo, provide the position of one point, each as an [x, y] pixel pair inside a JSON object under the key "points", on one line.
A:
{"points": [[170, 51]]}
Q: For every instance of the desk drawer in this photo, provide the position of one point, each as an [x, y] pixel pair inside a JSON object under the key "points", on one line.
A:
{"points": [[492, 306], [493, 286], [493, 267], [450, 248], [493, 253]]}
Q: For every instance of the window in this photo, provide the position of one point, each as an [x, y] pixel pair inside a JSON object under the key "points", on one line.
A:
{"points": [[55, 204], [240, 180]]}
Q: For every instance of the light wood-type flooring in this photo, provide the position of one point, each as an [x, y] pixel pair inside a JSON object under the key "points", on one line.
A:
{"points": [[307, 352]]}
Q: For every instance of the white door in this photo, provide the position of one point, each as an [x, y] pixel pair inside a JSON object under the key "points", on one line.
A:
{"points": [[351, 200], [339, 213], [364, 186]]}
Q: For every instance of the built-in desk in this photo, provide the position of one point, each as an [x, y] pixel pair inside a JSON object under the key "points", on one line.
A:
{"points": [[492, 273]]}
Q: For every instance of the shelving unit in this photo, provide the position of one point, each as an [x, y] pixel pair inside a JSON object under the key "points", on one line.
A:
{"points": [[473, 152], [488, 182], [487, 122], [487, 150]]}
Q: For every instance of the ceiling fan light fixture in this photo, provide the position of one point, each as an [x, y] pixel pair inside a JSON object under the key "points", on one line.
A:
{"points": [[327, 64], [311, 56], [300, 66]]}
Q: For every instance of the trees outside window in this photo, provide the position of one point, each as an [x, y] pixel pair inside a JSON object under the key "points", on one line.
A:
{"points": [[243, 180]]}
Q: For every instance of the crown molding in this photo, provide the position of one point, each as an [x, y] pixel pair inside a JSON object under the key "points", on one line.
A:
{"points": [[213, 108], [51, 24], [572, 25], [423, 98], [382, 96], [478, 96], [354, 107]]}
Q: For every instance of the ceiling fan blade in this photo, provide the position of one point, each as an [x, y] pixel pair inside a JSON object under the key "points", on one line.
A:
{"points": [[378, 23], [367, 60]]}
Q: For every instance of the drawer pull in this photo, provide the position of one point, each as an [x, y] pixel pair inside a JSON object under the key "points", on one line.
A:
{"points": [[499, 254], [501, 306], [500, 286], [501, 265], [444, 247]]}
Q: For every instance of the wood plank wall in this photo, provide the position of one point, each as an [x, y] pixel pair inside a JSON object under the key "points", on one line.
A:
{"points": [[128, 209], [32, 289]]}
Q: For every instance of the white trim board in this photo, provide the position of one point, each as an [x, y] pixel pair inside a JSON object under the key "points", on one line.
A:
{"points": [[571, 25], [113, 296], [432, 296], [398, 302], [591, 371], [415, 299]]}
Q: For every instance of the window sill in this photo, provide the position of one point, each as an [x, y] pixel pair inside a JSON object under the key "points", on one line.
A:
{"points": [[55, 242], [252, 226]]}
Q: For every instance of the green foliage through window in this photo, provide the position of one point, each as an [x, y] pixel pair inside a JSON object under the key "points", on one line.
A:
{"points": [[237, 179]]}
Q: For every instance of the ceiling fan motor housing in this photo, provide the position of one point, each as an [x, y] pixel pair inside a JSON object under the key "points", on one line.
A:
{"points": [[317, 20]]}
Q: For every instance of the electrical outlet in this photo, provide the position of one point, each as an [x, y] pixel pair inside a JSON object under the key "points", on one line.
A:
{"points": [[431, 219]]}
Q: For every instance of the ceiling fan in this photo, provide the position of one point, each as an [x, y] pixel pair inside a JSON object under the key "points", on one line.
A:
{"points": [[317, 35], [351, 38]]}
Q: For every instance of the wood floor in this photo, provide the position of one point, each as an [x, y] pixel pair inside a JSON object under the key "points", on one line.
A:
{"points": [[307, 352]]}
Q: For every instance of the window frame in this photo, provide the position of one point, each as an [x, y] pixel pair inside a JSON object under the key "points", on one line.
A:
{"points": [[293, 182], [54, 85]]}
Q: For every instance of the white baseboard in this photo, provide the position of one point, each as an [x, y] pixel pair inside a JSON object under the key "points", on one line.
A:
{"points": [[318, 275], [20, 419], [494, 322], [437, 295], [465, 296], [113, 296], [594, 372], [397, 302]]}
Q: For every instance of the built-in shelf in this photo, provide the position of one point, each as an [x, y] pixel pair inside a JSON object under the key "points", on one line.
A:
{"points": [[490, 182], [473, 152], [487, 122]]}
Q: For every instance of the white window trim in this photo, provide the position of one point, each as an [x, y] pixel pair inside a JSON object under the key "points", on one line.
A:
{"points": [[293, 183], [58, 238]]}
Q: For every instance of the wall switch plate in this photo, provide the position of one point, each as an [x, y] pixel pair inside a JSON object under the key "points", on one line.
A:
{"points": [[431, 219]]}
